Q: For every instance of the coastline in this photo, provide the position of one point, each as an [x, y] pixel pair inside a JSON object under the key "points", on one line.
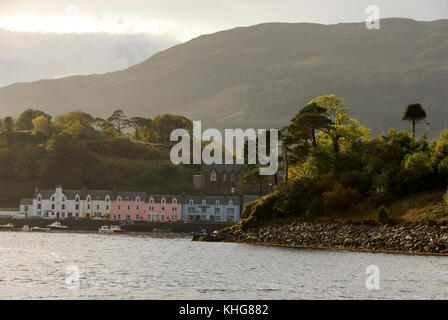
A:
{"points": [[398, 239]]}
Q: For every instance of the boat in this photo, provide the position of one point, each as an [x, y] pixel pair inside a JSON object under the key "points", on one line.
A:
{"points": [[25, 228], [105, 230], [7, 226], [162, 230], [39, 229], [57, 226], [116, 229]]}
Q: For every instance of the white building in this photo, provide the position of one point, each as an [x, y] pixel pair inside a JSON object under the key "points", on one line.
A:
{"points": [[26, 207], [63, 203]]}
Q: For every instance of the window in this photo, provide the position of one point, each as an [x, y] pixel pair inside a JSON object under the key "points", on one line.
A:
{"points": [[163, 208], [230, 210], [107, 207], [128, 217], [77, 199], [191, 210], [174, 209], [217, 211], [230, 203], [137, 207], [119, 207], [88, 207], [129, 207], [203, 210], [175, 201], [137, 216], [76, 214], [63, 199], [89, 199], [39, 206], [151, 200], [163, 200], [52, 198], [173, 217], [39, 198], [52, 206], [217, 202], [224, 177], [119, 199], [204, 202], [191, 201], [213, 176], [137, 199], [97, 207], [63, 207], [151, 208], [107, 198]]}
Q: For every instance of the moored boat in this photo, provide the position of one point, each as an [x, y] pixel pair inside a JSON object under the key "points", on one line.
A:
{"points": [[105, 230], [39, 229], [116, 229], [57, 226]]}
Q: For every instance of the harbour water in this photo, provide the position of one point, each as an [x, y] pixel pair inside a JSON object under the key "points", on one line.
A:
{"points": [[93, 266]]}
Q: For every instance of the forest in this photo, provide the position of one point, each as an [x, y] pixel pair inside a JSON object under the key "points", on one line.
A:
{"points": [[77, 150], [335, 166]]}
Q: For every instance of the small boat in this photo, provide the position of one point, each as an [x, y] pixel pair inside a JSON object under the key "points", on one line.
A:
{"points": [[7, 226], [162, 230], [25, 228], [116, 229], [39, 229], [105, 230], [57, 226]]}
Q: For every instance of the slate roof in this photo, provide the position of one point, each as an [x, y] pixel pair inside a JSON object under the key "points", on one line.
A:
{"points": [[100, 194], [169, 198], [222, 167], [211, 200], [130, 195]]}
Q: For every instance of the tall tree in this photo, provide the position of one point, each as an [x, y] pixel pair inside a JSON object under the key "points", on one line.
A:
{"points": [[25, 120], [118, 120], [414, 113], [140, 125], [8, 124]]}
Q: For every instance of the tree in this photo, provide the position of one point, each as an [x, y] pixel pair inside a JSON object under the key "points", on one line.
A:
{"points": [[414, 113], [77, 123], [162, 126], [118, 121], [140, 125], [254, 176], [25, 120], [8, 124], [42, 126]]}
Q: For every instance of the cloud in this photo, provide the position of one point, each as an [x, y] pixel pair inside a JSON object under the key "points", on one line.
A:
{"points": [[33, 56]]}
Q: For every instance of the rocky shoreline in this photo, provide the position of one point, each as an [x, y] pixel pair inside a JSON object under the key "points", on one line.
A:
{"points": [[411, 239]]}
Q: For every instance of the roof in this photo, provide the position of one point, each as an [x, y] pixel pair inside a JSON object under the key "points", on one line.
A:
{"points": [[131, 195], [211, 200], [26, 201], [100, 194], [158, 198], [222, 167]]}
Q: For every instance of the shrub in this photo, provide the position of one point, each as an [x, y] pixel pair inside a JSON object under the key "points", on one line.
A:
{"points": [[340, 199], [445, 198], [382, 214]]}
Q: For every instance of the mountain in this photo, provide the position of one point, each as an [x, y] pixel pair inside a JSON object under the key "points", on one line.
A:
{"points": [[260, 76]]}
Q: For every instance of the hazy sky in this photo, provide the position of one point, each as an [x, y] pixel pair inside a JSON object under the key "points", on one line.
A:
{"points": [[132, 30]]}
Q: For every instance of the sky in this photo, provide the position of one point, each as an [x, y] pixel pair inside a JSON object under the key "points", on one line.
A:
{"points": [[97, 36]]}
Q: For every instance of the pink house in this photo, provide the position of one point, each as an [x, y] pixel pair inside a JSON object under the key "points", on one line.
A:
{"points": [[129, 206], [164, 208]]}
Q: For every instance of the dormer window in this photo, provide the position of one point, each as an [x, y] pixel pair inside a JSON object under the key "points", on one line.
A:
{"points": [[204, 202], [163, 200], [137, 199], [175, 201], [191, 201], [230, 203], [89, 198], [39, 198], [217, 202], [77, 198], [63, 199], [107, 198], [119, 199], [151, 200], [213, 176]]}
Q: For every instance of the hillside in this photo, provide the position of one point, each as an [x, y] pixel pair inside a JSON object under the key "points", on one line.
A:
{"points": [[259, 76]]}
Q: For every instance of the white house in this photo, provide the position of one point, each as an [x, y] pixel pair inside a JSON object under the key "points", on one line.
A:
{"points": [[26, 207], [63, 203]]}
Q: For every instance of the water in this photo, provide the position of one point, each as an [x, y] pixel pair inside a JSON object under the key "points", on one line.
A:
{"points": [[34, 266]]}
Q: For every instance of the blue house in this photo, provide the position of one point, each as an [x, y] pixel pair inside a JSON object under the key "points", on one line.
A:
{"points": [[211, 208]]}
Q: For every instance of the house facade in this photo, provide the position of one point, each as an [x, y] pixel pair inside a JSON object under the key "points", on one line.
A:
{"points": [[26, 207], [164, 208], [96, 204], [211, 208], [129, 206]]}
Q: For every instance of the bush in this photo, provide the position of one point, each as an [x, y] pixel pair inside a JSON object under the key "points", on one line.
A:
{"points": [[445, 199], [382, 214], [340, 199]]}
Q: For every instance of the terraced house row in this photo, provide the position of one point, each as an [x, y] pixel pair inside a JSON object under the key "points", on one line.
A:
{"points": [[136, 206]]}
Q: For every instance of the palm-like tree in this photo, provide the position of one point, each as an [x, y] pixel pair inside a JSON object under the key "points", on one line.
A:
{"points": [[414, 113]]}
